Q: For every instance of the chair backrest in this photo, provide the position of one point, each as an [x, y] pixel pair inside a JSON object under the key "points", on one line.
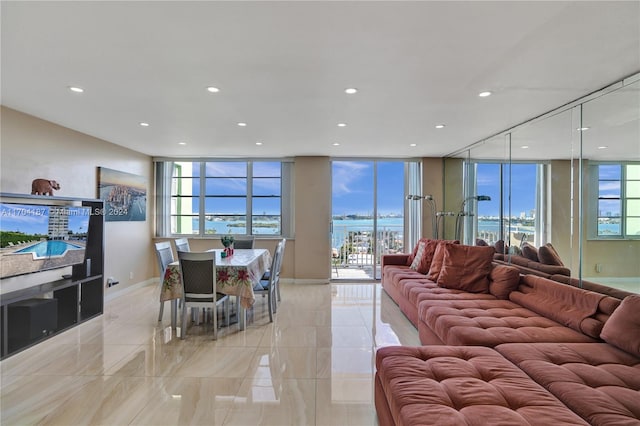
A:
{"points": [[283, 243], [164, 252], [198, 272], [182, 244], [276, 262], [244, 242]]}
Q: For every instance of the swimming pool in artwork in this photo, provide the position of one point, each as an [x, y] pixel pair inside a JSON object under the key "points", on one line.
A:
{"points": [[49, 248]]}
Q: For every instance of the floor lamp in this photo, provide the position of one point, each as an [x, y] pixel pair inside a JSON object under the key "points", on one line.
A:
{"points": [[432, 205], [462, 213]]}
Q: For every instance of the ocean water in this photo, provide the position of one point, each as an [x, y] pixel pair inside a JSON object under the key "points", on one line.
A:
{"points": [[341, 227]]}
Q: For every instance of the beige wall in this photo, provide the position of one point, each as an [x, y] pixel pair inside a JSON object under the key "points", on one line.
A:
{"points": [[33, 148], [562, 236], [312, 218], [453, 193], [432, 184]]}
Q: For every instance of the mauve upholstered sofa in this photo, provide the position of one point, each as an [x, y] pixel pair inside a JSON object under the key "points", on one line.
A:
{"points": [[518, 349]]}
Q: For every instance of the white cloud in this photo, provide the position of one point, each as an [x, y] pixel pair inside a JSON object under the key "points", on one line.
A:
{"points": [[345, 173]]}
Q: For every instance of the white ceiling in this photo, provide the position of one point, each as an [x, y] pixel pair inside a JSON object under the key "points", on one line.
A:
{"points": [[282, 67]]}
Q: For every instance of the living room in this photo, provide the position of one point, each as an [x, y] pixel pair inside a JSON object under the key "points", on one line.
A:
{"points": [[532, 57]]}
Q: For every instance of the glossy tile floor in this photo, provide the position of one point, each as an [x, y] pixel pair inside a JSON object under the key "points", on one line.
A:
{"points": [[313, 366]]}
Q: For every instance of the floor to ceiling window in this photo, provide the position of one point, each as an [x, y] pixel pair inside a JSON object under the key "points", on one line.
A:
{"points": [[368, 200]]}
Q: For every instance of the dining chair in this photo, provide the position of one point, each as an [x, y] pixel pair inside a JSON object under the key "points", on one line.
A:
{"points": [[284, 243], [164, 253], [267, 274], [198, 275], [268, 287], [244, 242], [182, 244]]}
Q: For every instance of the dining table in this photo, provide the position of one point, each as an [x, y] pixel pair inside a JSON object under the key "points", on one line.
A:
{"points": [[236, 275]]}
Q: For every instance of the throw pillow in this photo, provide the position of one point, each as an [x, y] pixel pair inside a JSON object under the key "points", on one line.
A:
{"points": [[501, 247], [427, 256], [549, 256], [622, 329], [530, 252], [481, 242], [412, 255], [436, 261], [503, 280], [417, 258], [466, 268]]}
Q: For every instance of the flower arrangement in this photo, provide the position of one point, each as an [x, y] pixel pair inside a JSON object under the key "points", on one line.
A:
{"points": [[227, 240]]}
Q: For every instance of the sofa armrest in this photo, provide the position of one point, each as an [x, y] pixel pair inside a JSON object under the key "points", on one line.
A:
{"points": [[394, 259]]}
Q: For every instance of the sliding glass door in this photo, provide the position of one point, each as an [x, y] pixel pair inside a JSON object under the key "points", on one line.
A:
{"points": [[368, 199]]}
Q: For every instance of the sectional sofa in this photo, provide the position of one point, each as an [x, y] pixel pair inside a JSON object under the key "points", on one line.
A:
{"points": [[501, 347]]}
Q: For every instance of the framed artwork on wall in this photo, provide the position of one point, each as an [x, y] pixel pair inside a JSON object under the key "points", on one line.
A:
{"points": [[124, 195]]}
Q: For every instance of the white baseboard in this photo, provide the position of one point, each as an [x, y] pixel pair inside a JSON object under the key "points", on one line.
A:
{"points": [[114, 292]]}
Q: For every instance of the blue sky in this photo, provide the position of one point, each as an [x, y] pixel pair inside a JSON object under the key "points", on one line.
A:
{"points": [[352, 187], [34, 219], [523, 188]]}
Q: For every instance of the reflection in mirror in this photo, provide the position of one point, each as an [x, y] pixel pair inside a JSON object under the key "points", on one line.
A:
{"points": [[481, 217], [611, 191], [566, 185], [454, 182], [543, 157]]}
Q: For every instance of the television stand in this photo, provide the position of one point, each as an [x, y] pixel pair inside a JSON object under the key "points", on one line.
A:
{"points": [[40, 310]]}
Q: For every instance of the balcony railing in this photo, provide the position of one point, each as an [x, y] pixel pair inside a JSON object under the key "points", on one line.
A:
{"points": [[353, 248]]}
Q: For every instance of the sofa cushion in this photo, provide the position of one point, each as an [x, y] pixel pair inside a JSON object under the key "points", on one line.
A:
{"points": [[530, 252], [490, 323], [597, 381], [503, 280], [438, 258], [548, 255], [570, 306], [466, 268], [424, 256], [622, 329], [437, 385]]}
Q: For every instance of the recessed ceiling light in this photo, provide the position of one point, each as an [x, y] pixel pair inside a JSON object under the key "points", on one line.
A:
{"points": [[413, 144], [182, 143], [143, 124], [603, 147], [342, 124], [484, 94], [351, 90], [76, 89], [241, 124], [213, 89], [439, 126], [525, 147], [582, 129], [258, 143], [336, 144]]}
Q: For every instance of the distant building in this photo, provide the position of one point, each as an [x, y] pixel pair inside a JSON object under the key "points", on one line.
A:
{"points": [[58, 228]]}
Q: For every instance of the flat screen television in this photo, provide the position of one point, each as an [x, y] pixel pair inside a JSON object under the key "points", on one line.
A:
{"points": [[41, 237]]}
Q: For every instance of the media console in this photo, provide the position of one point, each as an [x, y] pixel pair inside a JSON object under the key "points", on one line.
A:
{"points": [[42, 304]]}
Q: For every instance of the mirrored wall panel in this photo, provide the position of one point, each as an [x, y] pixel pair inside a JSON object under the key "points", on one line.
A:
{"points": [[558, 196]]}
